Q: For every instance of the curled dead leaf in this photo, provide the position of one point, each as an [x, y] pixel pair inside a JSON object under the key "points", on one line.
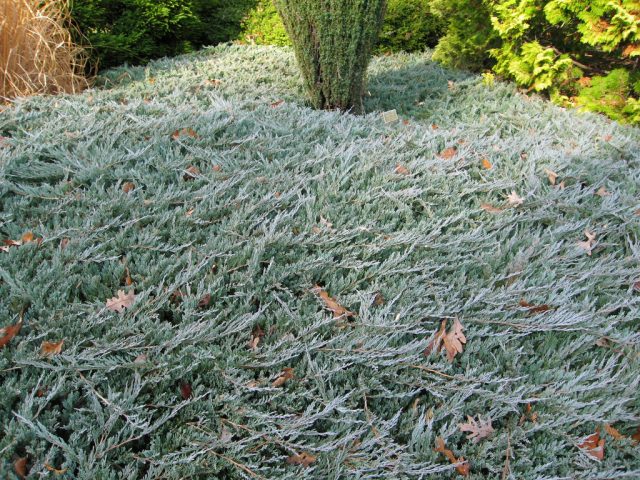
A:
{"points": [[401, 170], [588, 245], [20, 467], [448, 153], [287, 374], [487, 207], [463, 468], [593, 445], [613, 432], [128, 187], [486, 164], [51, 349], [7, 333], [54, 470], [534, 308], [551, 175], [331, 305], [453, 341], [205, 301], [603, 192], [185, 390], [304, 459], [191, 173]]}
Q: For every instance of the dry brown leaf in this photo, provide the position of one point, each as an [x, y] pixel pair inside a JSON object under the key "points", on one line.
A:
{"points": [[477, 429], [122, 301], [487, 207], [287, 374], [454, 340], [529, 415], [593, 445], [55, 470], [401, 170], [463, 469], [487, 164], [514, 199], [603, 192], [20, 467], [378, 300], [607, 138], [436, 343], [51, 349], [185, 390], [191, 173], [636, 286], [331, 305], [636, 436], [7, 333], [128, 187], [204, 301], [534, 308], [217, 168], [304, 459], [189, 132], [587, 245], [434, 126], [28, 237], [613, 432], [256, 337], [276, 104], [551, 175], [448, 153]]}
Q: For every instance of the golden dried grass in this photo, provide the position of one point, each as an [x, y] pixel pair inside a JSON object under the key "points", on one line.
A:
{"points": [[37, 51]]}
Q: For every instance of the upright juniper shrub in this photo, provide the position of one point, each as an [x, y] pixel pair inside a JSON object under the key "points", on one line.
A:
{"points": [[333, 42]]}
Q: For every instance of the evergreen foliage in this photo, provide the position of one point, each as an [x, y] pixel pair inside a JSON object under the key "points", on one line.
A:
{"points": [[136, 31], [333, 42], [569, 49], [286, 198], [408, 26]]}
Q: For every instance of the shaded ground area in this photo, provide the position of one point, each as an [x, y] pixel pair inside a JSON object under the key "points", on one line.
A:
{"points": [[239, 191]]}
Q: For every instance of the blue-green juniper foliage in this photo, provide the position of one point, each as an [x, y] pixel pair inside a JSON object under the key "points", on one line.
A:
{"points": [[289, 197], [333, 41]]}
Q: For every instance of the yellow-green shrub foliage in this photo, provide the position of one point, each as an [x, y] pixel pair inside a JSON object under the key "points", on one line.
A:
{"points": [[333, 41], [580, 52]]}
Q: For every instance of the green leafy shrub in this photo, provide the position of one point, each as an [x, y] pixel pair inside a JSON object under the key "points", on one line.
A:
{"points": [[409, 26], [333, 44], [572, 50], [136, 31], [263, 26]]}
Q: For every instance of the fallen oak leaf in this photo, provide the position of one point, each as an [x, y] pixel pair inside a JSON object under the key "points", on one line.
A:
{"points": [[128, 187], [528, 414], [486, 164], [448, 153], [331, 305], [277, 103], [401, 170], [477, 429], [613, 432], [551, 175], [304, 459], [463, 467], [287, 374], [454, 340], [256, 337], [122, 301], [636, 436], [514, 199], [7, 333], [205, 301], [587, 245], [593, 445], [603, 192], [191, 173], [51, 349], [190, 132]]}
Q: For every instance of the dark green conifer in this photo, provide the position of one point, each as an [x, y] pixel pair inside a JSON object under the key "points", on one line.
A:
{"points": [[333, 41]]}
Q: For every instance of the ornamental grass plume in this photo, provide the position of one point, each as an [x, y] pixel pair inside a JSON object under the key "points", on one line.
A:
{"points": [[37, 52]]}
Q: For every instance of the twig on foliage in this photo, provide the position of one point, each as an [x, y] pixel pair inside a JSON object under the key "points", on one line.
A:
{"points": [[506, 471], [237, 464], [375, 431]]}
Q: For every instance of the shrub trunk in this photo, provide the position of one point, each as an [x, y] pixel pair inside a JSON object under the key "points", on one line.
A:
{"points": [[333, 41]]}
